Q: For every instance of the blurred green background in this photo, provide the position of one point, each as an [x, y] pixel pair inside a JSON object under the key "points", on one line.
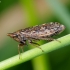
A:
{"points": [[19, 14]]}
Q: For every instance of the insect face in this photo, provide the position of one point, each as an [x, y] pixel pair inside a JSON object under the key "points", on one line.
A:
{"points": [[14, 36]]}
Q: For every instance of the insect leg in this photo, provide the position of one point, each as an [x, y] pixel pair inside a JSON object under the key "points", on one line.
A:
{"points": [[20, 46], [37, 46], [19, 50]]}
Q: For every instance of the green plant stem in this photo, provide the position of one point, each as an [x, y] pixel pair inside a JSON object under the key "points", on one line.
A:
{"points": [[28, 55]]}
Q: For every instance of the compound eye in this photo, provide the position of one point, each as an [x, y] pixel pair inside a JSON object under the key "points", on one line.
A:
{"points": [[56, 32], [16, 35]]}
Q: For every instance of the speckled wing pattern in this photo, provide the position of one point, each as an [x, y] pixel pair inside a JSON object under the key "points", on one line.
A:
{"points": [[43, 31]]}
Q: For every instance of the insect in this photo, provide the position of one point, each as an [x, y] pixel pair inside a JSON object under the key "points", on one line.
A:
{"points": [[39, 32]]}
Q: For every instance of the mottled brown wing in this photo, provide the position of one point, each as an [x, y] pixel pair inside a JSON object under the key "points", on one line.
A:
{"points": [[43, 31]]}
